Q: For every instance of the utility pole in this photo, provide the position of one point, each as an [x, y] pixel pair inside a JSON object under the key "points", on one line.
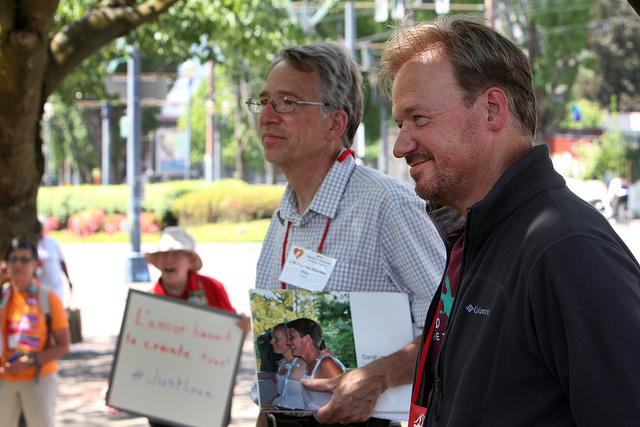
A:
{"points": [[488, 12], [350, 26], [106, 142], [136, 266], [189, 70]]}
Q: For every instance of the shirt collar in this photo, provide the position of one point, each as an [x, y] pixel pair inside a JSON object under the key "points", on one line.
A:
{"points": [[326, 200]]}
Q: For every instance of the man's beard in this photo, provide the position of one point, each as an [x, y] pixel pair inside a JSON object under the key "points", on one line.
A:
{"points": [[427, 191]]}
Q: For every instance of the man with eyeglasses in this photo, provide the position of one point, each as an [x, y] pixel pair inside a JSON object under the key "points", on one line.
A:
{"points": [[374, 227]]}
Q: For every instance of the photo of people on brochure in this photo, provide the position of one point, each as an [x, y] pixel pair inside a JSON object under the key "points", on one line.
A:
{"points": [[300, 334]]}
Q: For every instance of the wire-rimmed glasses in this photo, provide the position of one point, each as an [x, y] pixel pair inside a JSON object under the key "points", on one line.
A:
{"points": [[280, 105]]}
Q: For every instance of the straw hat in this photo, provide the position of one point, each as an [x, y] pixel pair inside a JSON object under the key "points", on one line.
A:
{"points": [[175, 239]]}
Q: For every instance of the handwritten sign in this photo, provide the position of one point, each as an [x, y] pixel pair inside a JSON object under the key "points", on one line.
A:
{"points": [[175, 361]]}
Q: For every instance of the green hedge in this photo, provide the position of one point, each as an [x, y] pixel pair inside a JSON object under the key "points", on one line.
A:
{"points": [[181, 202], [234, 203]]}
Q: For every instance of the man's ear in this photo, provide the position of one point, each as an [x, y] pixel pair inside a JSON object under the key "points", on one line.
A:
{"points": [[338, 125], [497, 105]]}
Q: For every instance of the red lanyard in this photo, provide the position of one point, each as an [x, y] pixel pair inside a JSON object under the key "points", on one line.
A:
{"points": [[417, 413], [423, 356], [286, 238]]}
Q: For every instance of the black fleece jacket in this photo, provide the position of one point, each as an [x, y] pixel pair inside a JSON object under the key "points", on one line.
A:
{"points": [[545, 327]]}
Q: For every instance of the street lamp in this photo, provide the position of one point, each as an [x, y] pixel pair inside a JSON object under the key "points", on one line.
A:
{"points": [[189, 70], [136, 268]]}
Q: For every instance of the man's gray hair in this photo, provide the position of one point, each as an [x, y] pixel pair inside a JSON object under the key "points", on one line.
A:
{"points": [[339, 82]]}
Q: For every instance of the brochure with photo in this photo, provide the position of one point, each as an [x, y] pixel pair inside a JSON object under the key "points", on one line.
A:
{"points": [[304, 334]]}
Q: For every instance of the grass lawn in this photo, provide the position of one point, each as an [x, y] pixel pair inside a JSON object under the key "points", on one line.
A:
{"points": [[244, 232]]}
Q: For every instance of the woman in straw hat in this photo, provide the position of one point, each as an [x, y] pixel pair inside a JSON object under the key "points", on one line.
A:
{"points": [[178, 262]]}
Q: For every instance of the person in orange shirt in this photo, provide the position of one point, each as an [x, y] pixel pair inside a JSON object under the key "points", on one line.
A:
{"points": [[30, 346]]}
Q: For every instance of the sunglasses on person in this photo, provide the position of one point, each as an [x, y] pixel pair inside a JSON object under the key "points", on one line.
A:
{"points": [[20, 259]]}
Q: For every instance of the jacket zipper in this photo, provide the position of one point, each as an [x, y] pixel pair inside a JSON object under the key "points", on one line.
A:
{"points": [[436, 398]]}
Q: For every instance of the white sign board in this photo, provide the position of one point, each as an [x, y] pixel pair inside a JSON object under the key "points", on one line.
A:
{"points": [[175, 361]]}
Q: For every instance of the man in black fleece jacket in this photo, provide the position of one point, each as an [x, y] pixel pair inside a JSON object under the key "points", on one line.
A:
{"points": [[539, 311]]}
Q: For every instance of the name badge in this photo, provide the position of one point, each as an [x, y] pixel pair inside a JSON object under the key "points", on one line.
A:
{"points": [[12, 341], [307, 269]]}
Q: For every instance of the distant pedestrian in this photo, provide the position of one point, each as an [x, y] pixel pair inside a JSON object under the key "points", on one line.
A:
{"points": [[52, 264], [618, 195], [30, 343]]}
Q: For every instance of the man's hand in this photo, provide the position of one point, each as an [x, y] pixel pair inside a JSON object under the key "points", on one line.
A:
{"points": [[4, 273], [244, 323], [355, 394]]}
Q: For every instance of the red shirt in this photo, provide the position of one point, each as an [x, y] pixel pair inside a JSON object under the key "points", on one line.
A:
{"points": [[201, 290], [447, 295]]}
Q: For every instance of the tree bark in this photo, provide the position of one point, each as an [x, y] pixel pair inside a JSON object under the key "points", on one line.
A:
{"points": [[32, 65]]}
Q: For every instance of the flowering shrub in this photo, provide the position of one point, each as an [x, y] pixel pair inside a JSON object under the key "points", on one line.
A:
{"points": [[89, 221], [51, 223], [86, 222], [114, 223], [149, 222], [86, 209]]}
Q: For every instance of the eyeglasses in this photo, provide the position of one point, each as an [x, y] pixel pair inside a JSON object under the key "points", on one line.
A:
{"points": [[280, 105], [21, 259]]}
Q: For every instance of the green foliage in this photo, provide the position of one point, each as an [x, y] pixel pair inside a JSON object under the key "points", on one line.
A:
{"points": [[614, 51], [241, 36], [615, 152], [257, 201], [206, 204], [160, 197], [330, 309], [234, 202], [63, 202], [183, 202], [244, 232], [333, 312], [591, 116]]}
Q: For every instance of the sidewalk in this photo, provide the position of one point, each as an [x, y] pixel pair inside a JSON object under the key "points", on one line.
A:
{"points": [[97, 272], [85, 371]]}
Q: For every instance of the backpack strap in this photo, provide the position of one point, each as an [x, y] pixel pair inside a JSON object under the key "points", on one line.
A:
{"points": [[43, 299], [5, 291]]}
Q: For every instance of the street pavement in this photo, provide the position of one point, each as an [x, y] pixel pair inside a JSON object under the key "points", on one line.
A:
{"points": [[98, 271]]}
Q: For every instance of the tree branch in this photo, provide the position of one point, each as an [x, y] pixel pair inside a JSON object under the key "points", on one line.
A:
{"points": [[635, 4], [95, 29]]}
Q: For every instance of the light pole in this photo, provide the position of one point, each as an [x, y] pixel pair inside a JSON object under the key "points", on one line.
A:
{"points": [[136, 266], [106, 141], [217, 148], [189, 71], [210, 106]]}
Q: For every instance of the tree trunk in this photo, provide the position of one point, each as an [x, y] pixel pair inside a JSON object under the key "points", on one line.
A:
{"points": [[23, 59], [32, 65]]}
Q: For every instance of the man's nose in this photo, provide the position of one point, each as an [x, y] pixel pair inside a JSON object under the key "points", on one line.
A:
{"points": [[269, 115], [404, 144]]}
